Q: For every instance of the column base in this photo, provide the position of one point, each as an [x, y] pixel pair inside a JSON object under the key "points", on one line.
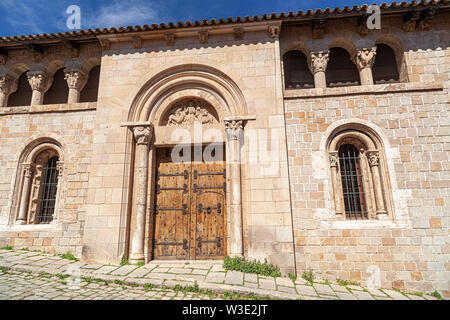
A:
{"points": [[236, 255], [382, 215], [135, 258], [20, 223]]}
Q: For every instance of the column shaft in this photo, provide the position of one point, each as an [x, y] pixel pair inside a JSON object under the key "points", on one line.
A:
{"points": [[373, 158], [234, 132], [142, 135], [24, 200]]}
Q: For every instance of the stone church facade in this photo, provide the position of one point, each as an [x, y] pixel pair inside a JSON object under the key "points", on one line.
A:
{"points": [[305, 139]]}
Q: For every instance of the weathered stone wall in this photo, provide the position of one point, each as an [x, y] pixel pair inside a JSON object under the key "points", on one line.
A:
{"points": [[73, 130], [253, 65], [411, 250]]}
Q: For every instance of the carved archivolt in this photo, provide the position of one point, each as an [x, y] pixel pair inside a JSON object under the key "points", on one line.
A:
{"points": [[188, 112]]}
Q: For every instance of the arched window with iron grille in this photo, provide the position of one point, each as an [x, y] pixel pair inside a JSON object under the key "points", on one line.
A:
{"points": [[49, 185], [352, 182], [359, 174], [39, 180]]}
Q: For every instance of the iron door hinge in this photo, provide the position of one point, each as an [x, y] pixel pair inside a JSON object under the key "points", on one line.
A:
{"points": [[218, 242], [197, 174], [209, 209], [196, 187], [184, 244], [159, 189], [183, 209]]}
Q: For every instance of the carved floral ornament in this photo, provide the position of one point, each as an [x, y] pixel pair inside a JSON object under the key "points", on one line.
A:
{"points": [[143, 135], [334, 159], [364, 58], [189, 112], [234, 128], [318, 61], [38, 81], [75, 79], [7, 84], [373, 157]]}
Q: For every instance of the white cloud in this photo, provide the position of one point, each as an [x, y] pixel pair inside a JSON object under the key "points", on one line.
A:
{"points": [[116, 14], [22, 15]]}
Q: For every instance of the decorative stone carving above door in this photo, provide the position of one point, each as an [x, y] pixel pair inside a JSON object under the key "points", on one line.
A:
{"points": [[189, 111]]}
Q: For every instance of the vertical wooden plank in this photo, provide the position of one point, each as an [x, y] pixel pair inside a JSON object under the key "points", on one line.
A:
{"points": [[171, 226], [210, 224]]}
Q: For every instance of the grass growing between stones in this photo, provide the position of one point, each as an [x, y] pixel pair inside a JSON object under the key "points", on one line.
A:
{"points": [[308, 276], [436, 295], [7, 248], [68, 256], [124, 262], [226, 295], [346, 283], [243, 265]]}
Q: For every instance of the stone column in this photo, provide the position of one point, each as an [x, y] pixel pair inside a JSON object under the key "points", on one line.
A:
{"points": [[76, 79], [25, 199], [39, 83], [334, 164], [143, 136], [364, 59], [7, 86], [60, 168], [374, 159], [234, 130], [317, 63]]}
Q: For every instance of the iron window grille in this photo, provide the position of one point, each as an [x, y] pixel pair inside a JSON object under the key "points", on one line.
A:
{"points": [[47, 199], [352, 183]]}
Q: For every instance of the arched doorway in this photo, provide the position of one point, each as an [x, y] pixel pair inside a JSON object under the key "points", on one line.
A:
{"points": [[191, 108], [189, 220]]}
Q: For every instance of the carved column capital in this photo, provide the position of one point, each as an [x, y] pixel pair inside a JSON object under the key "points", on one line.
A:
{"points": [[39, 81], [60, 168], [373, 157], [364, 58], [7, 84], [334, 159], [234, 128], [143, 135], [318, 61], [28, 169], [75, 79]]}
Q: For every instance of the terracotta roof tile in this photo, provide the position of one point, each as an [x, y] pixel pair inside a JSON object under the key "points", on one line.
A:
{"points": [[213, 22]]}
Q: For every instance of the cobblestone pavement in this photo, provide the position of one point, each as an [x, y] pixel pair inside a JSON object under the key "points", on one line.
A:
{"points": [[35, 275], [19, 285]]}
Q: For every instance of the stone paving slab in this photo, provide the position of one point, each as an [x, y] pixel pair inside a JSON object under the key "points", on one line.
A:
{"points": [[267, 284], [306, 290], [138, 273], [124, 270], [323, 289], [285, 282], [105, 270], [395, 294], [250, 277], [362, 295], [215, 277], [234, 277], [207, 275]]}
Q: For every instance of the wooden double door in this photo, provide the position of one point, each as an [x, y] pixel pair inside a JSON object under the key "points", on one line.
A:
{"points": [[190, 207]]}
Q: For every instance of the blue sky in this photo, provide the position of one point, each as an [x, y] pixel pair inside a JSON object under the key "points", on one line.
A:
{"points": [[44, 16]]}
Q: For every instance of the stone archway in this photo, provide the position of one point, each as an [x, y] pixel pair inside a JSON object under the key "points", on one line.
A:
{"points": [[150, 114]]}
